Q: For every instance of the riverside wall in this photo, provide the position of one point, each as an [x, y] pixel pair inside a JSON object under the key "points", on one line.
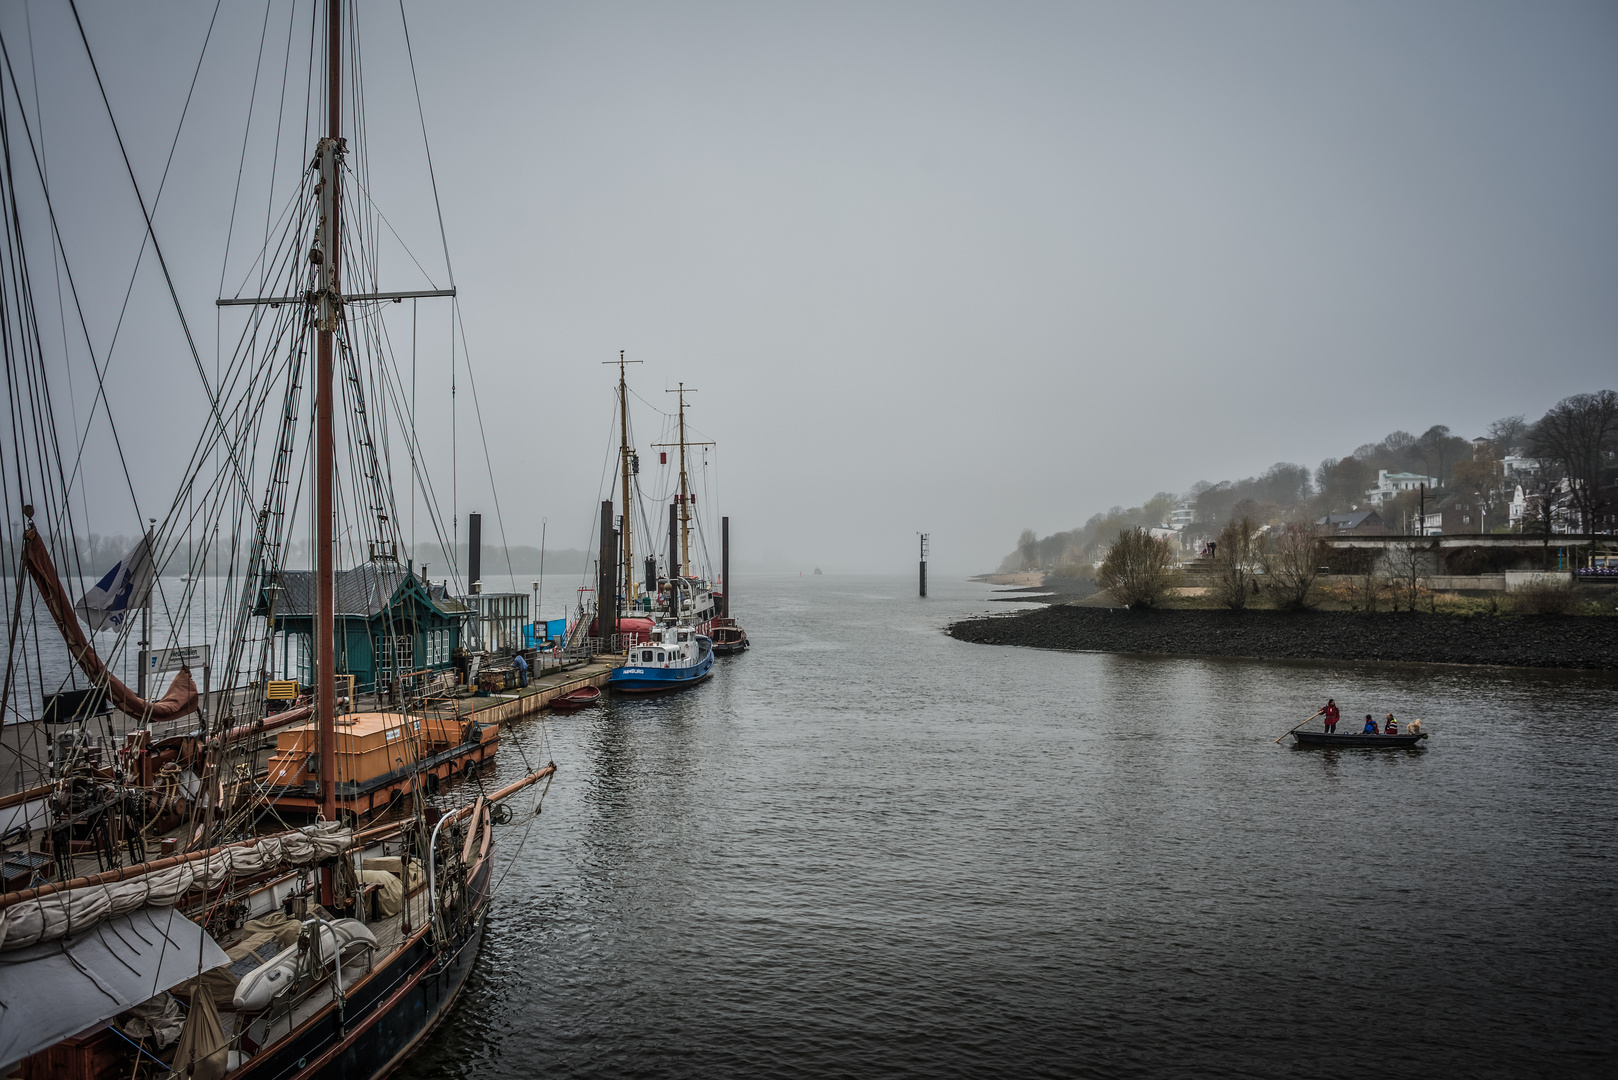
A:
{"points": [[1541, 641]]}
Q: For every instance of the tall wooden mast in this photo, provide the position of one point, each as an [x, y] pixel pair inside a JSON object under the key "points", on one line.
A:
{"points": [[329, 151], [625, 454]]}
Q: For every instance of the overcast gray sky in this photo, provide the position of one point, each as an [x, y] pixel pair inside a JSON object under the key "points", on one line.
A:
{"points": [[961, 268]]}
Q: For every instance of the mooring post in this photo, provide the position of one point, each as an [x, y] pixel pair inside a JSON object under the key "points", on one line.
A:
{"points": [[923, 564], [674, 540], [607, 579], [724, 564]]}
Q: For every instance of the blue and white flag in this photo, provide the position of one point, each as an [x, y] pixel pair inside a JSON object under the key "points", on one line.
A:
{"points": [[121, 591]]}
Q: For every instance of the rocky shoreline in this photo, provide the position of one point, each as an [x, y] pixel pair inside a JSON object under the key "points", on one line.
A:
{"points": [[1541, 641]]}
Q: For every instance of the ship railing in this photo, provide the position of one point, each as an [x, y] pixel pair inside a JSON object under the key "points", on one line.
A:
{"points": [[587, 647]]}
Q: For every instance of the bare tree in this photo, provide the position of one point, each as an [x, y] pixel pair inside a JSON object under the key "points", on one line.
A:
{"points": [[1580, 434], [1508, 433], [1372, 581], [1409, 563], [1028, 549], [1295, 564], [1139, 569], [1343, 483], [1236, 564]]}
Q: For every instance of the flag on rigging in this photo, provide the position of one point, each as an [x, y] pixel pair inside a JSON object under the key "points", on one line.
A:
{"points": [[122, 589]]}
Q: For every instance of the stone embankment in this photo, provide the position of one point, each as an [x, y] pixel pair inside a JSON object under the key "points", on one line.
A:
{"points": [[1545, 641]]}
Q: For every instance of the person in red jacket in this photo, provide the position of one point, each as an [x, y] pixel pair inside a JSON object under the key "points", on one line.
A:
{"points": [[1332, 716], [1391, 727]]}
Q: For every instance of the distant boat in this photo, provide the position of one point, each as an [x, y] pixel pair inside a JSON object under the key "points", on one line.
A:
{"points": [[817, 571]]}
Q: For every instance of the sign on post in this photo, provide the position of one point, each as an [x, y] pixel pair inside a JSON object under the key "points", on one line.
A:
{"points": [[160, 660]]}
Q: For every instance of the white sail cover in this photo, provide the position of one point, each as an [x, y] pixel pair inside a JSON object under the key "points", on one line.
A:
{"points": [[73, 911], [60, 988]]}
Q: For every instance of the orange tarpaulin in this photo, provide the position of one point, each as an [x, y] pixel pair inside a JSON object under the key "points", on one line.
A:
{"points": [[181, 698]]}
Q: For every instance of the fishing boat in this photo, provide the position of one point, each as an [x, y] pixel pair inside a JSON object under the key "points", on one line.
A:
{"points": [[630, 611], [1360, 742], [159, 914], [684, 593], [579, 698]]}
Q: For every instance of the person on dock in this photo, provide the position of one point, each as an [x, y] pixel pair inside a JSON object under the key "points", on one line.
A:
{"points": [[462, 665], [1391, 727], [522, 671], [1370, 725], [1333, 714]]}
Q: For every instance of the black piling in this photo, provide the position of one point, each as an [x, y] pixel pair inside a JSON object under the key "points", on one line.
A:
{"points": [[474, 553], [674, 541], [924, 564], [607, 571]]}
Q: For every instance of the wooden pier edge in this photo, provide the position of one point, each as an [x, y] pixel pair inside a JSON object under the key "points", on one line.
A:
{"points": [[534, 701]]}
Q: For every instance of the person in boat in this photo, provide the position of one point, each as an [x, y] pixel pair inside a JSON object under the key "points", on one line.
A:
{"points": [[1333, 714], [1391, 727], [1370, 725], [522, 670]]}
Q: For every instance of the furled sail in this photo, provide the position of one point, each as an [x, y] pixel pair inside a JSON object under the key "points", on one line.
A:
{"points": [[48, 913], [181, 698]]}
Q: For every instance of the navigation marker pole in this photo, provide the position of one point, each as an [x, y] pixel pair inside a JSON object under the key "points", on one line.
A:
{"points": [[924, 548]]}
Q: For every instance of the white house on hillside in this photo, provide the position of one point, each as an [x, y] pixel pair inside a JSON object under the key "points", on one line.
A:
{"points": [[1390, 484]]}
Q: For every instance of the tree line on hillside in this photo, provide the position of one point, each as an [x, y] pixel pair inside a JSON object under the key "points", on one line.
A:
{"points": [[1566, 462]]}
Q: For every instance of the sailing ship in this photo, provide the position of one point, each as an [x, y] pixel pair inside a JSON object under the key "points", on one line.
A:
{"points": [[158, 914]]}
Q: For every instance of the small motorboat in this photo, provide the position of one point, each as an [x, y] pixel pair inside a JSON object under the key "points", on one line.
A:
{"points": [[578, 698], [1360, 742], [728, 637]]}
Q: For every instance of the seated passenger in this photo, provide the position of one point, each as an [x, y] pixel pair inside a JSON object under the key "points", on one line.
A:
{"points": [[1391, 727], [1370, 726]]}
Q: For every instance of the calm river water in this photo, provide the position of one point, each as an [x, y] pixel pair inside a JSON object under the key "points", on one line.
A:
{"points": [[864, 849]]}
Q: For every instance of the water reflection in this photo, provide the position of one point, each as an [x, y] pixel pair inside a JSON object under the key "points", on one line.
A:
{"points": [[865, 847]]}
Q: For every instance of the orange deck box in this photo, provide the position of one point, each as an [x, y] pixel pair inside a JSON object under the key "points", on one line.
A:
{"points": [[369, 745]]}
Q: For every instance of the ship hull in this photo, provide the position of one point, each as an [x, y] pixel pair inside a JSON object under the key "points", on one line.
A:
{"points": [[653, 680], [385, 1019]]}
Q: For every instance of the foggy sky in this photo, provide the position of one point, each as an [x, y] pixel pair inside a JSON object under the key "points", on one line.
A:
{"points": [[953, 268]]}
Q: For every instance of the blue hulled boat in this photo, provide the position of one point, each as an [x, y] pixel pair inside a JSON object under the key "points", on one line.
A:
{"points": [[673, 655]]}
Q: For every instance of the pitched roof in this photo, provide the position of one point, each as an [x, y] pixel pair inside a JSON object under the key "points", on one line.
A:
{"points": [[362, 590], [1351, 520]]}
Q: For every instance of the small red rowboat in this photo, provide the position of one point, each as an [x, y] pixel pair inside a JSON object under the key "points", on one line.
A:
{"points": [[577, 699]]}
